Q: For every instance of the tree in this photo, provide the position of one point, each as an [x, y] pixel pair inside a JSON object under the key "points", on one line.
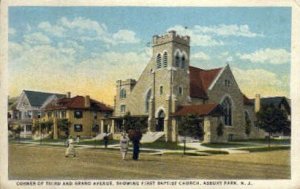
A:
{"points": [[189, 126], [135, 127], [272, 120], [63, 125]]}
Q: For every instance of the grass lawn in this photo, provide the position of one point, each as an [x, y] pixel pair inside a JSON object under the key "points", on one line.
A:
{"points": [[214, 151], [265, 141], [98, 142], [226, 145], [46, 162], [163, 145], [263, 149]]}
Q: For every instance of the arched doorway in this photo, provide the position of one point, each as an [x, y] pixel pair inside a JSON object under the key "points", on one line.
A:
{"points": [[160, 121]]}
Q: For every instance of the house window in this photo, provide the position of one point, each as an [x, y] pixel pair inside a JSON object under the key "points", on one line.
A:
{"points": [[49, 114], [161, 90], [227, 108], [183, 61], [78, 114], [123, 108], [180, 91], [123, 93], [95, 115], [95, 128], [55, 113], [148, 96], [165, 59], [77, 128], [177, 59], [158, 61], [227, 83], [28, 127]]}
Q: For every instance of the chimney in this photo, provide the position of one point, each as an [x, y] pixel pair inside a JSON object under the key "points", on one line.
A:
{"points": [[87, 101], [257, 103], [68, 94]]}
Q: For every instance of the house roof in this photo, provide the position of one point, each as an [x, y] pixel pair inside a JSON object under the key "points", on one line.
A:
{"points": [[77, 102], [276, 101], [200, 80], [37, 98], [200, 110]]}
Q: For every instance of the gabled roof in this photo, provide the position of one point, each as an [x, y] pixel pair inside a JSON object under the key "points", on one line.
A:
{"points": [[200, 80], [77, 102], [37, 98], [276, 101], [200, 110]]}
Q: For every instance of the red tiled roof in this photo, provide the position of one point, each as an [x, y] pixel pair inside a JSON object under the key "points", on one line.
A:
{"points": [[200, 110], [77, 102], [200, 80]]}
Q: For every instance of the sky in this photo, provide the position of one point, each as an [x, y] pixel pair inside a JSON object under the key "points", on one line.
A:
{"points": [[85, 50]]}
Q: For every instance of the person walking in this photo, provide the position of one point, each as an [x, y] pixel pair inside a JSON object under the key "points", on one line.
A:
{"points": [[70, 147], [136, 149], [124, 145], [105, 139]]}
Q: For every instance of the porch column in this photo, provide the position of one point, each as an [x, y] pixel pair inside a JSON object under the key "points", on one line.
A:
{"points": [[55, 135], [112, 127], [102, 126]]}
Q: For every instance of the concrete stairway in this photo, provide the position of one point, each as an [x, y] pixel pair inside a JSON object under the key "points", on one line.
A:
{"points": [[150, 137]]}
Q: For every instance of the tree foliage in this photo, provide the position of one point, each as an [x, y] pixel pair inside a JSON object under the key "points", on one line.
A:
{"points": [[248, 127], [272, 119], [134, 126], [189, 125], [63, 125]]}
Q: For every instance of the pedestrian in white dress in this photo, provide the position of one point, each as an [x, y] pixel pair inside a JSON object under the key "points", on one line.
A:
{"points": [[70, 147], [124, 145]]}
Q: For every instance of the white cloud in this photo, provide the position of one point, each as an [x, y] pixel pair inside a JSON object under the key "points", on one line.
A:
{"points": [[197, 39], [88, 30], [200, 56], [260, 81], [36, 39], [52, 29], [227, 30], [271, 56]]}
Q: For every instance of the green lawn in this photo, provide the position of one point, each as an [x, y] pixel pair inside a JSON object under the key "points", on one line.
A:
{"points": [[45, 162], [163, 145], [264, 149], [214, 151], [226, 145], [98, 142], [265, 141]]}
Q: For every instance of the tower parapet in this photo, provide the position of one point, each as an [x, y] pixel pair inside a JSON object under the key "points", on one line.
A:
{"points": [[169, 37]]}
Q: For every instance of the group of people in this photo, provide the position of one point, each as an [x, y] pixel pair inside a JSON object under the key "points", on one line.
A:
{"points": [[124, 144]]}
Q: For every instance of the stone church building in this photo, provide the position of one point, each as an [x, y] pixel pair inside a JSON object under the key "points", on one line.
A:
{"points": [[169, 88]]}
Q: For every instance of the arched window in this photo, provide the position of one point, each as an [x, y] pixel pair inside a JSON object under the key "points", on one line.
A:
{"points": [[165, 59], [161, 90], [158, 61], [123, 93], [227, 108], [177, 59], [180, 91], [183, 61], [148, 96]]}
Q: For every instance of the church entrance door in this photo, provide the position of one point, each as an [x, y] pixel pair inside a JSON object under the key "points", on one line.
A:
{"points": [[160, 121]]}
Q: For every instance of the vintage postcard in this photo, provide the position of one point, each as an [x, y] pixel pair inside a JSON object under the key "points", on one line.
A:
{"points": [[141, 95]]}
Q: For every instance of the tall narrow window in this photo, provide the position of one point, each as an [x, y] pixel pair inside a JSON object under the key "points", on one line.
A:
{"points": [[227, 108], [147, 99], [161, 90], [177, 59], [183, 61], [123, 108], [165, 59], [180, 91], [158, 61], [123, 93]]}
